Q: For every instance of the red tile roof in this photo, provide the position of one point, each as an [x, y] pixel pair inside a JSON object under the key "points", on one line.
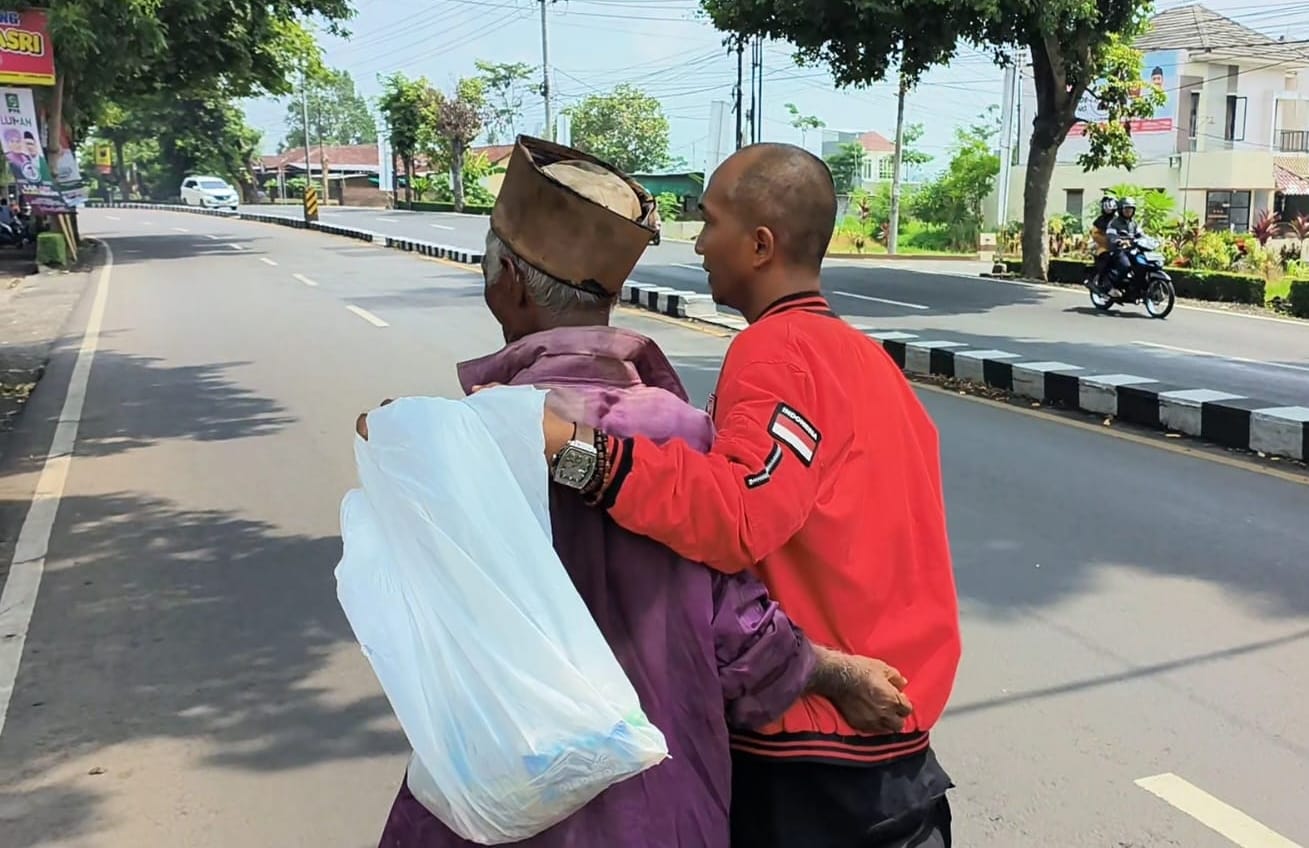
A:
{"points": [[875, 142], [1289, 182]]}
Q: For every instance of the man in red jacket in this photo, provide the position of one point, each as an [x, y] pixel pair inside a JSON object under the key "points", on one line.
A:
{"points": [[825, 480]]}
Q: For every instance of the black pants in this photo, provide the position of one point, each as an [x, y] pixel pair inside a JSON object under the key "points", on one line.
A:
{"points": [[793, 804], [1119, 267]]}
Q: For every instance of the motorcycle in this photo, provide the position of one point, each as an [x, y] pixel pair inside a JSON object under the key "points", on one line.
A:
{"points": [[1147, 283]]}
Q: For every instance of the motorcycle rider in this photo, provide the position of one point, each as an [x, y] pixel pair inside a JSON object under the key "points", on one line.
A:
{"points": [[1108, 210], [1121, 232]]}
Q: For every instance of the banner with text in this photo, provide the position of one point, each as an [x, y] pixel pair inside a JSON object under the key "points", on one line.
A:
{"points": [[26, 57], [23, 153]]}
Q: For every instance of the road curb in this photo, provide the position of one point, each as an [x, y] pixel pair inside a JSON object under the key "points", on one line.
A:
{"points": [[425, 248], [1223, 418]]}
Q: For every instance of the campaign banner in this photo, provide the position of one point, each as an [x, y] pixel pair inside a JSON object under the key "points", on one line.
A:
{"points": [[21, 139], [26, 57], [1160, 70], [68, 174]]}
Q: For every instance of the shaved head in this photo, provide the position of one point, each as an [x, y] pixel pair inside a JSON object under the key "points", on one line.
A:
{"points": [[790, 191]]}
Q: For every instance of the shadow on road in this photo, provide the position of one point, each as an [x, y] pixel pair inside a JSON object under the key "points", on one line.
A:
{"points": [[216, 631], [156, 247], [203, 404]]}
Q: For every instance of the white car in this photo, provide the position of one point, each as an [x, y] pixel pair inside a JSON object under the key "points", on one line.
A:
{"points": [[209, 192]]}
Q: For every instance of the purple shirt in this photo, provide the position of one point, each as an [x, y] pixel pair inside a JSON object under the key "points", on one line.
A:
{"points": [[701, 648]]}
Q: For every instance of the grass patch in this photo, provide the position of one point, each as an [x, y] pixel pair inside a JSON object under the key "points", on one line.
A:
{"points": [[843, 243]]}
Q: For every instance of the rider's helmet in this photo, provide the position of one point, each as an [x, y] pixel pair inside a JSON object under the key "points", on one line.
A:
{"points": [[1108, 204], [1127, 203]]}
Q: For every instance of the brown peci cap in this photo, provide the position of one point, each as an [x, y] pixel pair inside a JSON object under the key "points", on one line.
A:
{"points": [[573, 216]]}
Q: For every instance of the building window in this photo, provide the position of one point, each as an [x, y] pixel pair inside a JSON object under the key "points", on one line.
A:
{"points": [[1227, 211], [867, 173], [1194, 124], [1234, 125], [1075, 202], [886, 168]]}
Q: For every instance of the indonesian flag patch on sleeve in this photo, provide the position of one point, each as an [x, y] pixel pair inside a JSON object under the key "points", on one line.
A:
{"points": [[795, 432]]}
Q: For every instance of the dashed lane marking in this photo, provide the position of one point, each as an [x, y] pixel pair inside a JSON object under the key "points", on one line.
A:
{"points": [[302, 278], [1214, 814], [367, 316]]}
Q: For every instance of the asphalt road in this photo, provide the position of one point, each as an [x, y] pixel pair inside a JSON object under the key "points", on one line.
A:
{"points": [[189, 679], [1252, 356]]}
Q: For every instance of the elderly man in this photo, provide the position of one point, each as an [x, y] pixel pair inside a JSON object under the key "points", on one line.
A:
{"points": [[701, 648]]}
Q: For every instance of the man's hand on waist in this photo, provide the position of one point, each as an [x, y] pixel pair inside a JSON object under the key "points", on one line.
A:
{"points": [[867, 692]]}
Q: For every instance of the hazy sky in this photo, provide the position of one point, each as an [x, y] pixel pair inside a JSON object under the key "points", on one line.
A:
{"points": [[665, 48]]}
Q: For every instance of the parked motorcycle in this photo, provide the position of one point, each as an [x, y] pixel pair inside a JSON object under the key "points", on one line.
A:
{"points": [[1147, 283]]}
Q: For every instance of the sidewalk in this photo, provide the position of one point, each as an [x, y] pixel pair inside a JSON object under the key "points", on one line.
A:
{"points": [[33, 311]]}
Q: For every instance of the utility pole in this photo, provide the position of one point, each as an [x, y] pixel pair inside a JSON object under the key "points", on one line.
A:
{"points": [[759, 104], [740, 70], [304, 105], [1008, 99], [893, 236], [545, 74], [754, 89]]}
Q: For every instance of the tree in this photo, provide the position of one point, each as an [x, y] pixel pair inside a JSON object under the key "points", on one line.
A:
{"points": [[505, 89], [168, 138], [626, 128], [1076, 46], [910, 155], [457, 121], [404, 104], [847, 166], [338, 115], [954, 199], [803, 123]]}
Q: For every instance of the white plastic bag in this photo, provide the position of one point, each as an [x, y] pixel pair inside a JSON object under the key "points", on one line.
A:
{"points": [[516, 709]]}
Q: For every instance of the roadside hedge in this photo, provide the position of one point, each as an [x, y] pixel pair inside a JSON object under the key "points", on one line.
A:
{"points": [[1299, 298], [435, 206], [1219, 286]]}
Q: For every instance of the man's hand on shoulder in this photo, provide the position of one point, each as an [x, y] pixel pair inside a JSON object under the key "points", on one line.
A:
{"points": [[868, 692]]}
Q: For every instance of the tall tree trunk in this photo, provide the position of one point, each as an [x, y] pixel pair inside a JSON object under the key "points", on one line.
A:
{"points": [[120, 167], [1036, 193], [409, 178], [457, 174]]}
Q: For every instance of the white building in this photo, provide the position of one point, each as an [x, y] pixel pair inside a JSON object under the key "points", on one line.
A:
{"points": [[879, 154], [1231, 140]]}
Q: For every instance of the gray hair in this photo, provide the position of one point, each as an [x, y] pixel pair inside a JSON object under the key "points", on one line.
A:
{"points": [[554, 296]]}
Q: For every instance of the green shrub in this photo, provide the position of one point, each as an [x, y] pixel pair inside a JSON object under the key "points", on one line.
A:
{"points": [[51, 249], [1213, 252], [1218, 286], [1299, 298], [922, 236]]}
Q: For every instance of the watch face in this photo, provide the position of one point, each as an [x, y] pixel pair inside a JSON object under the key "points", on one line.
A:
{"points": [[575, 465]]}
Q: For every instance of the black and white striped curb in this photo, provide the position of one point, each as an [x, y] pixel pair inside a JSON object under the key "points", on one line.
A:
{"points": [[1223, 418], [669, 301], [425, 248]]}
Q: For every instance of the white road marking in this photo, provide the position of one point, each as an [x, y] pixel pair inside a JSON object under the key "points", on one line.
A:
{"points": [[181, 229], [367, 316], [267, 261], [388, 220], [1213, 813], [148, 223], [302, 278], [28, 565], [688, 265], [113, 218], [883, 300], [434, 226], [1222, 356], [213, 237], [235, 246]]}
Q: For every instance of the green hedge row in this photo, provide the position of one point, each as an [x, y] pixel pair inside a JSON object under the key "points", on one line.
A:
{"points": [[434, 206], [1299, 298], [1196, 285]]}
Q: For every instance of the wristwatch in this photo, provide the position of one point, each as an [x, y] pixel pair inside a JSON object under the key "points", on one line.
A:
{"points": [[575, 465]]}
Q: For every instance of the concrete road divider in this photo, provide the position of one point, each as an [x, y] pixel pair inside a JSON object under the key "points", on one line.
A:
{"points": [[436, 251]]}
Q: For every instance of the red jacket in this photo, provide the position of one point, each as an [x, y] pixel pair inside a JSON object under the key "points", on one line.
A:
{"points": [[825, 479]]}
